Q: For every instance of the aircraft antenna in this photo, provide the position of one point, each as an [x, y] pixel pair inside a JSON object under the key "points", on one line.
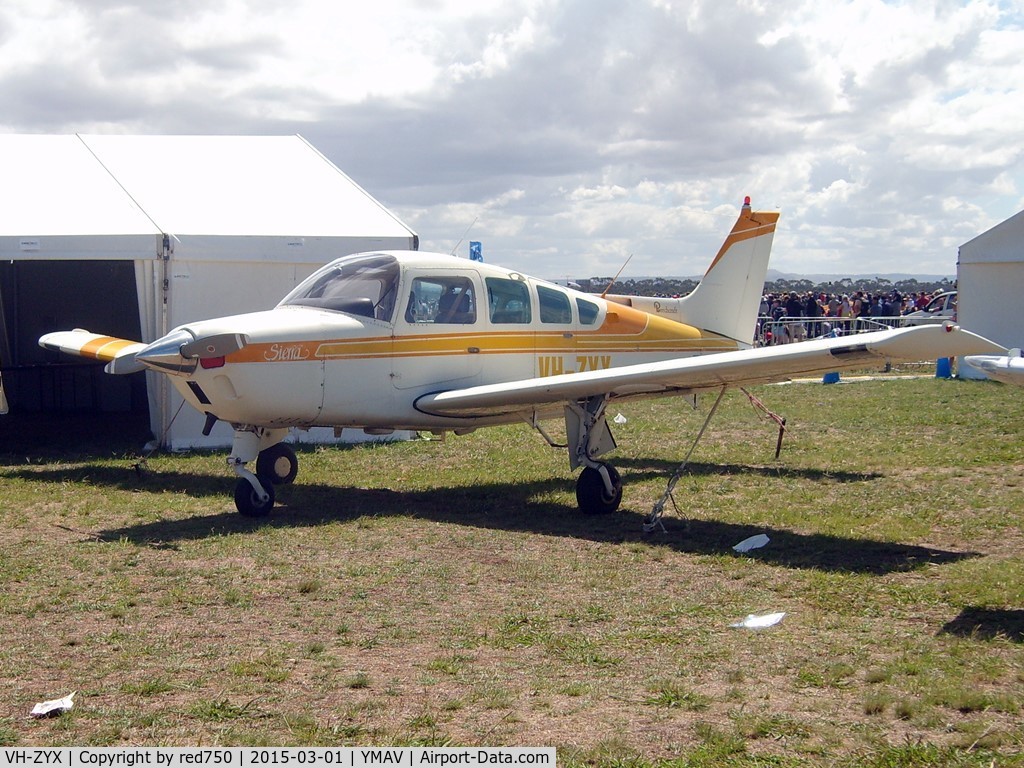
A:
{"points": [[464, 235], [605, 291]]}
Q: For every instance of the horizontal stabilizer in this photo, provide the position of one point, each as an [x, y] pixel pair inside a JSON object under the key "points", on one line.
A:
{"points": [[118, 353]]}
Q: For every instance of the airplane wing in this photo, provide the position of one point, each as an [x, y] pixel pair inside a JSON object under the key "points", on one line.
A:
{"points": [[727, 369], [118, 353]]}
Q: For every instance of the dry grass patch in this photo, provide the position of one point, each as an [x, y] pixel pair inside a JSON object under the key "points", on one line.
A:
{"points": [[449, 593]]}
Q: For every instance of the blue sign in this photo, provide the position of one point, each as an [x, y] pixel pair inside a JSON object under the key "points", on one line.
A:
{"points": [[476, 250]]}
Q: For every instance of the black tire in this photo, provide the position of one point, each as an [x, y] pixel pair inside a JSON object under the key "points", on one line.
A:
{"points": [[279, 463], [591, 495], [248, 503]]}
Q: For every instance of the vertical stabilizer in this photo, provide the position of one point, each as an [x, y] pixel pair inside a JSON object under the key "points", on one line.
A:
{"points": [[728, 296]]}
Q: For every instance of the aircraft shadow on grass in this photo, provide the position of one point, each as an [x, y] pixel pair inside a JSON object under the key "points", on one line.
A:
{"points": [[512, 506], [987, 624], [665, 467]]}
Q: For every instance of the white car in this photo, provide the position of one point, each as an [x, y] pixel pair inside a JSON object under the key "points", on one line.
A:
{"points": [[941, 308]]}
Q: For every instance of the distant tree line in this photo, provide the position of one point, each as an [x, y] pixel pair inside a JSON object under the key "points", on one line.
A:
{"points": [[668, 286]]}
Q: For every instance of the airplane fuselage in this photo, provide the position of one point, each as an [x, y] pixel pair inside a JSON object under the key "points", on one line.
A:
{"points": [[363, 338]]}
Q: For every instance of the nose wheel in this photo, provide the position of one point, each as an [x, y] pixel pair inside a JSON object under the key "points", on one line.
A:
{"points": [[275, 464], [249, 501]]}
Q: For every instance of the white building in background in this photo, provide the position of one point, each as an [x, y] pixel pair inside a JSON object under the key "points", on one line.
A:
{"points": [[133, 235], [990, 280]]}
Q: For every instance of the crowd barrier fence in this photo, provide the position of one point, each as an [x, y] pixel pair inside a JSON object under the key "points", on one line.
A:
{"points": [[771, 331]]}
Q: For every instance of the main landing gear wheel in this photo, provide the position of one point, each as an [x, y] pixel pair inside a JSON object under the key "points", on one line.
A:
{"points": [[591, 494], [278, 463], [248, 501]]}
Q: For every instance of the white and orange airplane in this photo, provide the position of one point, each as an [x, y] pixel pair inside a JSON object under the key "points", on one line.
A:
{"points": [[421, 341]]}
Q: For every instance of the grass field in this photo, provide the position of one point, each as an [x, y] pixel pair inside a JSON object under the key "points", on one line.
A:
{"points": [[449, 593]]}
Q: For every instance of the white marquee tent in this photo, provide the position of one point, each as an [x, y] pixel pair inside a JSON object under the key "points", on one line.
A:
{"points": [[990, 281], [210, 225]]}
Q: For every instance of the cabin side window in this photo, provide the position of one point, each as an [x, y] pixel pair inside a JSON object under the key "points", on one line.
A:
{"points": [[508, 300], [588, 311], [447, 300], [554, 306]]}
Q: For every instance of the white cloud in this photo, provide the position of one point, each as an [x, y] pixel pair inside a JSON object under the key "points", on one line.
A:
{"points": [[578, 131], [498, 54]]}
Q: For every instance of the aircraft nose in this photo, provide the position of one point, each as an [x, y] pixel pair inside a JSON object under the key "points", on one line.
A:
{"points": [[164, 355]]}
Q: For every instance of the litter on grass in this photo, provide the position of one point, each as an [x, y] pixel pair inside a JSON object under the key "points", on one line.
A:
{"points": [[620, 419], [754, 542], [54, 707], [759, 622]]}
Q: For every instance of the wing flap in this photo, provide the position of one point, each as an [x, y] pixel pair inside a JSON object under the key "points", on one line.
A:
{"points": [[119, 354], [690, 374]]}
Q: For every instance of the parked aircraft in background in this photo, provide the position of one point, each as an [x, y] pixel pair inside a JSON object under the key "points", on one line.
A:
{"points": [[421, 341], [1008, 369]]}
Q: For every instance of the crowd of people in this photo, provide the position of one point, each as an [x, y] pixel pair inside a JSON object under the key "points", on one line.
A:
{"points": [[781, 316]]}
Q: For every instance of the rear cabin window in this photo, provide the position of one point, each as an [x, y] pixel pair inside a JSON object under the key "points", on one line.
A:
{"points": [[509, 300], [443, 300], [588, 311], [554, 306]]}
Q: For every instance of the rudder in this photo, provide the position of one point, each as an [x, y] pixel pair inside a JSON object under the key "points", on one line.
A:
{"points": [[728, 296]]}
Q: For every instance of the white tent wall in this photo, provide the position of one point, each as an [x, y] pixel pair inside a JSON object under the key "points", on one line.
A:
{"points": [[49, 247], [245, 218], [990, 280]]}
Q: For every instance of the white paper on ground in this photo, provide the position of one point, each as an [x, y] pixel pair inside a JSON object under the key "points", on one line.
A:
{"points": [[759, 622], [54, 707]]}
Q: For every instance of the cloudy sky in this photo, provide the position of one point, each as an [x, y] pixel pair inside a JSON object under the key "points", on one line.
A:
{"points": [[575, 133]]}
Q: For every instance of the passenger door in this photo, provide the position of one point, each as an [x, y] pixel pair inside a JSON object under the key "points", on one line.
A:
{"points": [[437, 337]]}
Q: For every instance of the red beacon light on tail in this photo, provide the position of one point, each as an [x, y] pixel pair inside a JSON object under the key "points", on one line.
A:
{"points": [[746, 201]]}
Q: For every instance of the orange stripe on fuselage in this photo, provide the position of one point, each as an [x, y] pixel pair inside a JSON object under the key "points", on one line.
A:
{"points": [[625, 330]]}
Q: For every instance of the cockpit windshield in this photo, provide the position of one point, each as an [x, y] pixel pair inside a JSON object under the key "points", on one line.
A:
{"points": [[359, 285]]}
